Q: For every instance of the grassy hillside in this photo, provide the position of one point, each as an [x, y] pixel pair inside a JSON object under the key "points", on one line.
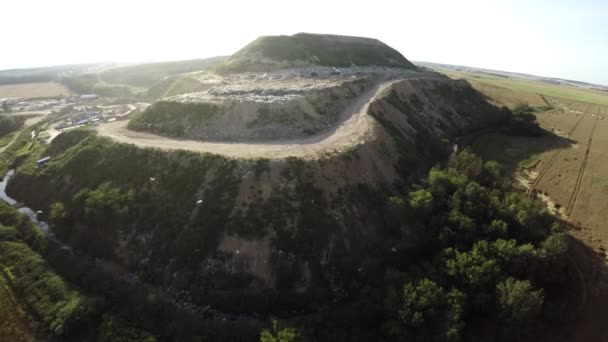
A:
{"points": [[314, 49], [44, 74], [15, 325], [91, 84], [345, 246], [10, 124], [50, 304], [175, 85], [145, 75]]}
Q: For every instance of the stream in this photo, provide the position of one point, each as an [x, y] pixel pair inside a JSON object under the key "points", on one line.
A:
{"points": [[24, 210]]}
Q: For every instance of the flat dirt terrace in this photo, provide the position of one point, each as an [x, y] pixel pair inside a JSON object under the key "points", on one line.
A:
{"points": [[355, 127]]}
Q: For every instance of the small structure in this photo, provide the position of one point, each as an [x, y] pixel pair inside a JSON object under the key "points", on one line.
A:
{"points": [[334, 72], [88, 97], [41, 162]]}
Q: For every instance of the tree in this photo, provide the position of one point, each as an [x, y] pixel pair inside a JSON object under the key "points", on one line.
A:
{"points": [[428, 312], [473, 269], [106, 203], [421, 201], [57, 213], [467, 163], [279, 334], [517, 300]]}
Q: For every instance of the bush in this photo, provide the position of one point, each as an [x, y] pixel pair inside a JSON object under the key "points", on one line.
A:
{"points": [[518, 302], [279, 334], [427, 312]]}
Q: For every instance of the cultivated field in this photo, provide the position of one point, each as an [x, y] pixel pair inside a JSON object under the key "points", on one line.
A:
{"points": [[532, 87], [567, 168], [574, 180], [507, 97], [30, 90]]}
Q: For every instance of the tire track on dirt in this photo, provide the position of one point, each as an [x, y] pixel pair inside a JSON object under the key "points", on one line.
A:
{"points": [[546, 101], [581, 172], [554, 157]]}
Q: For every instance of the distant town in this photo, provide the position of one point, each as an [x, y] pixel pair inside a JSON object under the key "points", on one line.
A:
{"points": [[68, 112]]}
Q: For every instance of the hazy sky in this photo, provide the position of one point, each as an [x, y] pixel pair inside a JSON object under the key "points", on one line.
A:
{"points": [[545, 37]]}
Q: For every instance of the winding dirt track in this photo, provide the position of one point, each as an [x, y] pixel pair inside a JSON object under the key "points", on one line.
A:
{"points": [[554, 156], [355, 128], [581, 172]]}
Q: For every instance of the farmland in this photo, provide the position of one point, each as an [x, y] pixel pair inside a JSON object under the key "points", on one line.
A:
{"points": [[507, 96], [527, 87], [566, 167], [31, 90]]}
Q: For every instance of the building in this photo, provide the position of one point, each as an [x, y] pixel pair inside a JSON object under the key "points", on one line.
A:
{"points": [[41, 162], [88, 97]]}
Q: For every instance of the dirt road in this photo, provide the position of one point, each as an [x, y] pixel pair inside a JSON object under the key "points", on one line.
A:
{"points": [[27, 123], [354, 129]]}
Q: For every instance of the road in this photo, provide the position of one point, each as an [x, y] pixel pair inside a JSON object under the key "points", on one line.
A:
{"points": [[354, 129], [27, 123]]}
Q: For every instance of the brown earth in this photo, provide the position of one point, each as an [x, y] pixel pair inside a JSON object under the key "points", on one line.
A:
{"points": [[355, 127], [575, 178], [30, 90]]}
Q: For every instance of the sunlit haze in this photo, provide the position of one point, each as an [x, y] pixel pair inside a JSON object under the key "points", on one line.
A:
{"points": [[565, 39]]}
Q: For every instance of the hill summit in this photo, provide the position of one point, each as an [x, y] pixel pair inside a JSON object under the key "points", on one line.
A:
{"points": [[305, 49]]}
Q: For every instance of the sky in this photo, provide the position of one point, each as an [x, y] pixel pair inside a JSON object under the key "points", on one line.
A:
{"points": [[567, 39]]}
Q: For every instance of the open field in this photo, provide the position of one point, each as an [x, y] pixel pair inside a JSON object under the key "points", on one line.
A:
{"points": [[590, 205], [532, 87], [30, 90], [507, 97], [567, 167]]}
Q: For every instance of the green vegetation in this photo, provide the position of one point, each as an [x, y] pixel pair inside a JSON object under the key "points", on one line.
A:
{"points": [[279, 334], [35, 75], [10, 124], [57, 307], [53, 305], [15, 325], [21, 149], [156, 190], [510, 150], [327, 50], [490, 254], [460, 256], [146, 75], [173, 118], [184, 85], [174, 85], [90, 84], [535, 87]]}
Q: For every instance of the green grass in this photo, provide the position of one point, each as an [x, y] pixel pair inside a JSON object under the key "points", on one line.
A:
{"points": [[561, 91], [511, 151], [173, 118], [328, 50], [50, 301], [5, 140], [145, 75], [184, 85], [15, 325]]}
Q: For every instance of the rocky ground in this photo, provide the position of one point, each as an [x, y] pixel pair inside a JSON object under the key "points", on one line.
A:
{"points": [[279, 86]]}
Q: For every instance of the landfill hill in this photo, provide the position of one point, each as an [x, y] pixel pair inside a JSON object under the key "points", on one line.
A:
{"points": [[305, 49]]}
